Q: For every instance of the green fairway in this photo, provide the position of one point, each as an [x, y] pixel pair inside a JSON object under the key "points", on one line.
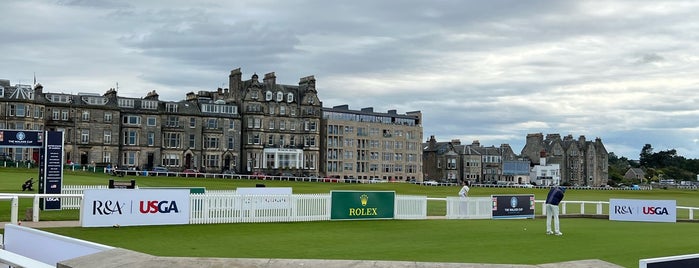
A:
{"points": [[479, 241], [474, 241]]}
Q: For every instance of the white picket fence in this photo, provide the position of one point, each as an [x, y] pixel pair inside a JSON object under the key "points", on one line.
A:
{"points": [[469, 208], [225, 206]]}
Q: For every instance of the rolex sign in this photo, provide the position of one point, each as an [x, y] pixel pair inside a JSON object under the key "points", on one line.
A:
{"points": [[358, 205]]}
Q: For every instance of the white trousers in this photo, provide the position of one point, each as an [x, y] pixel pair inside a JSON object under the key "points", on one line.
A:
{"points": [[552, 211]]}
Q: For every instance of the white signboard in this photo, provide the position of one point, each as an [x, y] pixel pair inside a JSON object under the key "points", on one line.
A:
{"points": [[124, 207], [642, 210]]}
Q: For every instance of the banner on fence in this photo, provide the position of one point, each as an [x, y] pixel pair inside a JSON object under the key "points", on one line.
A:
{"points": [[359, 205], [513, 206], [122, 207], [642, 210]]}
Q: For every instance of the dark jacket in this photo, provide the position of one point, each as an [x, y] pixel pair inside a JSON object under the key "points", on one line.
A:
{"points": [[555, 195]]}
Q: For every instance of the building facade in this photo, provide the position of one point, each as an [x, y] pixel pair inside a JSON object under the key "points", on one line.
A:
{"points": [[582, 162], [251, 127], [364, 144], [453, 162]]}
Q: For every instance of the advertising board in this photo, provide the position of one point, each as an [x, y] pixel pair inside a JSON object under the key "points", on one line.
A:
{"points": [[359, 205], [126, 207], [513, 206], [642, 210]]}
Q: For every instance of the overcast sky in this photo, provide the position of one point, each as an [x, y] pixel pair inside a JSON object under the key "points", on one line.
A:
{"points": [[494, 71]]}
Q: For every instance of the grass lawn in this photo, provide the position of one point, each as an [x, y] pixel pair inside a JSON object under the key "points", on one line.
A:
{"points": [[473, 241]]}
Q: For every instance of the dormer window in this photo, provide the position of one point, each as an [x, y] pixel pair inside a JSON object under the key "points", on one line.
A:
{"points": [[149, 104], [268, 95], [290, 97], [280, 96], [254, 95]]}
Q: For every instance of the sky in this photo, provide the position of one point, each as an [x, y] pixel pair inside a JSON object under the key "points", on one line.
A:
{"points": [[626, 72]]}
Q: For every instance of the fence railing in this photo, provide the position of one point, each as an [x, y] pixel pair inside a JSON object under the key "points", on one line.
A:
{"points": [[225, 206]]}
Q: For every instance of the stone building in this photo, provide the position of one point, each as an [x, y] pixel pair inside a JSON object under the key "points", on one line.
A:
{"points": [[582, 162], [251, 127], [280, 125], [364, 144], [453, 162]]}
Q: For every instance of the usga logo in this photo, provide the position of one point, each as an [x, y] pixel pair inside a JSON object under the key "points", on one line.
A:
{"points": [[154, 206], [655, 210]]}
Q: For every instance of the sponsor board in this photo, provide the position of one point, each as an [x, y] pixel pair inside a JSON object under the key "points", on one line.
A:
{"points": [[513, 206], [642, 210], [359, 205], [125, 207]]}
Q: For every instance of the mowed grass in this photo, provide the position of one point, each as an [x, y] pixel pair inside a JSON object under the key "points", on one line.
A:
{"points": [[463, 241]]}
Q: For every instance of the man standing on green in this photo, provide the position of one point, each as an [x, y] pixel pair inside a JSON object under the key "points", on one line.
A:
{"points": [[552, 200]]}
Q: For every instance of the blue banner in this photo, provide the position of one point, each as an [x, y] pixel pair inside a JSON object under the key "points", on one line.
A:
{"points": [[21, 138], [51, 169]]}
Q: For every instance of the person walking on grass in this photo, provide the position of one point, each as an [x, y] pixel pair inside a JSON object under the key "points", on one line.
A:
{"points": [[552, 200], [463, 193]]}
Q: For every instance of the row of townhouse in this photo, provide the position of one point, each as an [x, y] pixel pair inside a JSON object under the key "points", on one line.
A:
{"points": [[542, 161], [251, 127]]}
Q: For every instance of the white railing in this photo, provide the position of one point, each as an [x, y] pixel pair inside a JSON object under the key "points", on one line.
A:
{"points": [[410, 207], [469, 208], [224, 206], [76, 202]]}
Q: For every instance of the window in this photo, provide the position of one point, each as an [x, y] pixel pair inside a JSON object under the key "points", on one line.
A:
{"points": [[231, 124], [171, 160], [130, 137], [85, 136], [292, 141], [64, 115], [192, 122], [126, 103], [268, 95], [282, 110], [231, 143], [130, 158], [192, 140], [95, 100], [151, 138], [173, 121], [212, 123], [211, 143], [20, 110], [211, 161], [151, 121], [38, 112], [271, 109], [280, 96], [149, 104], [171, 107], [107, 117], [107, 137], [106, 157], [172, 140], [2, 91], [271, 124], [132, 120], [289, 97], [270, 139], [310, 141], [282, 124], [86, 116], [58, 98], [219, 108]]}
